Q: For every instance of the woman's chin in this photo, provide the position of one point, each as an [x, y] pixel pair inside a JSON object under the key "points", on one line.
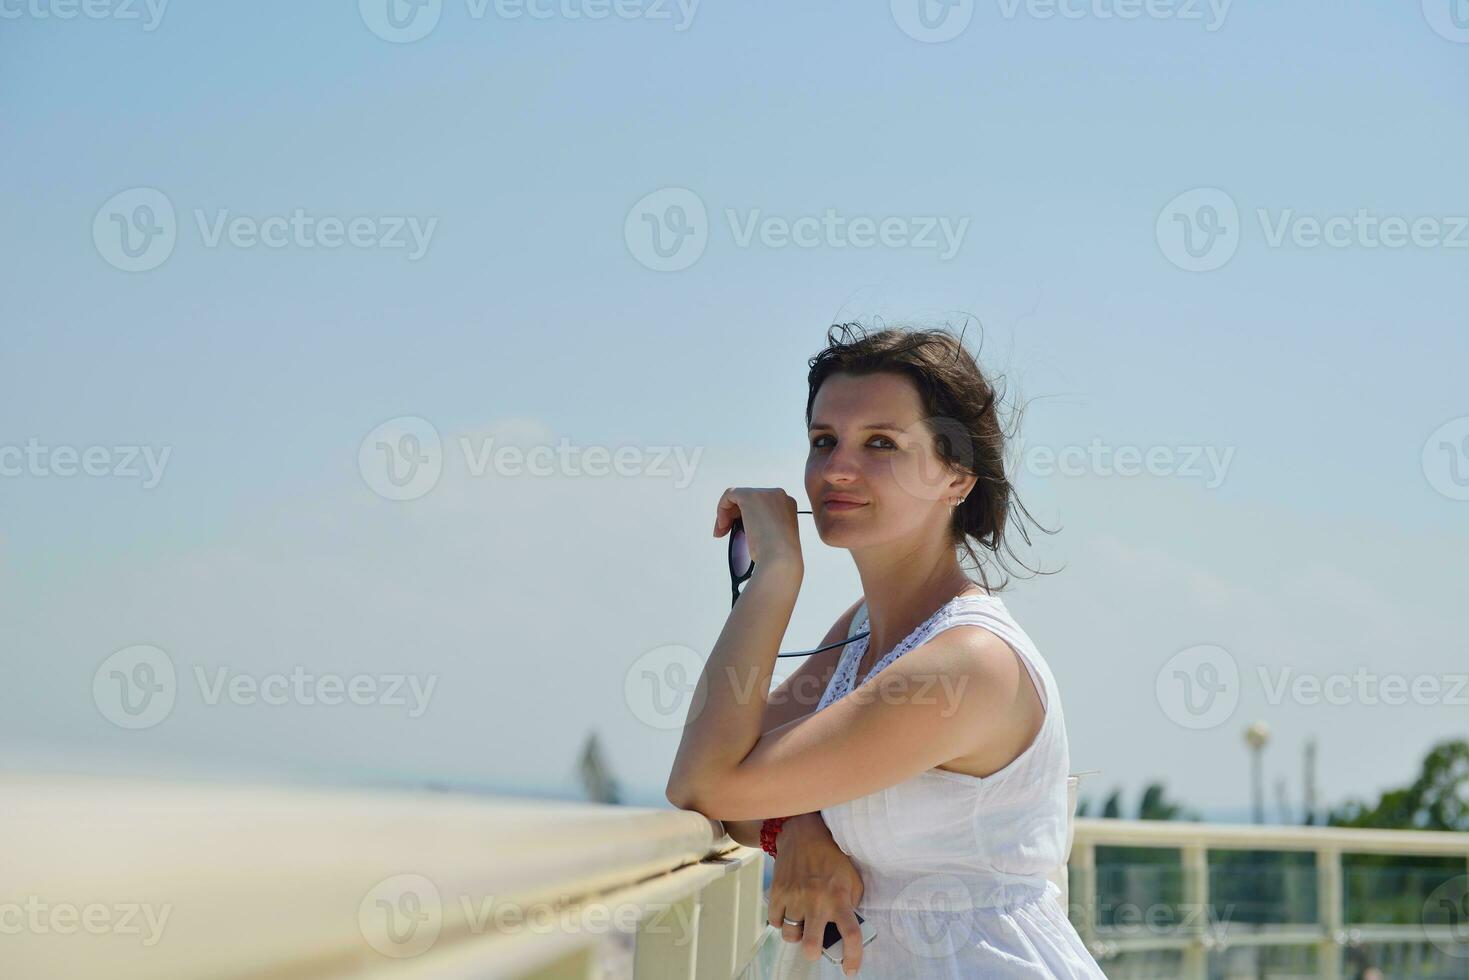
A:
{"points": [[840, 531]]}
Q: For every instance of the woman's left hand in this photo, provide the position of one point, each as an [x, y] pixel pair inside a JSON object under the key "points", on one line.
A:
{"points": [[769, 517]]}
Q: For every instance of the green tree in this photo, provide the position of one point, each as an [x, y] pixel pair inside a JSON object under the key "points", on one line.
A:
{"points": [[1154, 805], [1385, 888], [1437, 800]]}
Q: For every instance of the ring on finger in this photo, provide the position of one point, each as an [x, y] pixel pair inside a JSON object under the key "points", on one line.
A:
{"points": [[790, 922]]}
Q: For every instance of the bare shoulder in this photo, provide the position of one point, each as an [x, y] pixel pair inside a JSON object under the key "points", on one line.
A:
{"points": [[997, 699], [970, 650]]}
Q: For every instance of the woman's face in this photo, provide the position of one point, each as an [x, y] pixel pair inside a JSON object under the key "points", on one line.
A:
{"points": [[868, 443]]}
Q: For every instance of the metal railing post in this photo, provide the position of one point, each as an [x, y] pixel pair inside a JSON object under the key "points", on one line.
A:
{"points": [[718, 949], [1196, 899], [1329, 906], [1084, 861], [664, 950]]}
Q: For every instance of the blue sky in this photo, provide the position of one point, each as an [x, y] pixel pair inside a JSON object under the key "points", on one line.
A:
{"points": [[1060, 145]]}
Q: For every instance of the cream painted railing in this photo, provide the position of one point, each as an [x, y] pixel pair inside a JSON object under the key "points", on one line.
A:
{"points": [[1197, 935], [129, 879], [165, 881]]}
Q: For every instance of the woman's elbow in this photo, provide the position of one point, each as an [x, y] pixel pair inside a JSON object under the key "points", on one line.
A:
{"points": [[709, 804], [681, 796]]}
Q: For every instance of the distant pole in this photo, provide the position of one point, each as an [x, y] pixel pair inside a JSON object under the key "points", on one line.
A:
{"points": [[1310, 780], [1256, 737], [1282, 801]]}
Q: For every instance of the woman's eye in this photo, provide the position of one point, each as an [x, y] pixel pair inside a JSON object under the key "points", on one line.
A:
{"points": [[818, 442]]}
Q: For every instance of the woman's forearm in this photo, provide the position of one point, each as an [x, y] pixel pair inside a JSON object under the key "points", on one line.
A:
{"points": [[747, 832], [728, 705]]}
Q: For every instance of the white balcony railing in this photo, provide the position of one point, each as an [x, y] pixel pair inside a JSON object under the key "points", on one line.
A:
{"points": [[131, 879], [1195, 936], [142, 880]]}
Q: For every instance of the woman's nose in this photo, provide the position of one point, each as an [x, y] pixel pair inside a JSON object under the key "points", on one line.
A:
{"points": [[840, 464]]}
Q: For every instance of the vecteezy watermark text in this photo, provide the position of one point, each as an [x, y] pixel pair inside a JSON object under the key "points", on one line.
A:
{"points": [[1209, 464], [137, 687], [402, 916], [1211, 13], [39, 917], [123, 462], [403, 459], [136, 230], [149, 12], [668, 230], [661, 688], [936, 21], [1200, 230], [1364, 686], [406, 21], [1200, 687]]}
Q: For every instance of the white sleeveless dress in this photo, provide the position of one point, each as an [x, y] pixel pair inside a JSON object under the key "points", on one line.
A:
{"points": [[955, 867]]}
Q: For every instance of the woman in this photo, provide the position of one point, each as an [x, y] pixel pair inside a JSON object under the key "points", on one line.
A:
{"points": [[928, 779]]}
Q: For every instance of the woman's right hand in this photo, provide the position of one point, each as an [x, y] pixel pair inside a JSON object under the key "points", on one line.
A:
{"points": [[815, 881]]}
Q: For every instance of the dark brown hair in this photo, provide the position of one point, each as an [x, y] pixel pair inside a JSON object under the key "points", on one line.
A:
{"points": [[962, 411]]}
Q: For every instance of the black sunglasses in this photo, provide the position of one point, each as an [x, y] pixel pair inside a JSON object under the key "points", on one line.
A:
{"points": [[741, 567]]}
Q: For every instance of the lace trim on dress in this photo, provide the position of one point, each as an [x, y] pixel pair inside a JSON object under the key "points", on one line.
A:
{"points": [[845, 680]]}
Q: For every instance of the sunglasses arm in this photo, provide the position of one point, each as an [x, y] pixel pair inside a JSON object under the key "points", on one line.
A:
{"points": [[807, 653]]}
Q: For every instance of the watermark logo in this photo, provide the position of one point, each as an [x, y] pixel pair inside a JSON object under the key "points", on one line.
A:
{"points": [[922, 476], [1211, 12], [150, 12], [406, 21], [568, 460], [135, 230], [401, 916], [932, 21], [661, 687], [1448, 18], [404, 915], [1199, 230], [402, 459], [400, 21], [667, 230], [1199, 687], [927, 477], [1446, 917], [135, 687], [941, 921], [1446, 459]]}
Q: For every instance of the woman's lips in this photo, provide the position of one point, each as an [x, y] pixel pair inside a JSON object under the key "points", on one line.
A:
{"points": [[842, 505]]}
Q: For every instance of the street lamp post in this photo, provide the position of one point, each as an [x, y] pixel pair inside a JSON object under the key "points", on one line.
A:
{"points": [[1256, 736]]}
